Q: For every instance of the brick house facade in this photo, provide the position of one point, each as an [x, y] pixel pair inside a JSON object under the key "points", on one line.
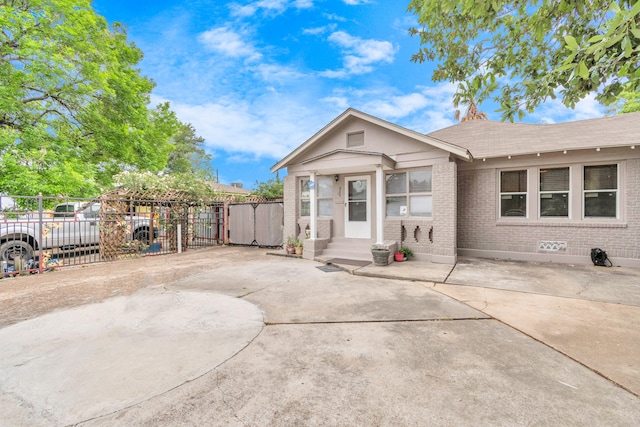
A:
{"points": [[478, 188]]}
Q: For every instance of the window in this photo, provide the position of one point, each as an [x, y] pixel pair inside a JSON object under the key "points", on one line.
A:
{"points": [[601, 191], [325, 196], [355, 139], [409, 193], [305, 206], [554, 192], [513, 193]]}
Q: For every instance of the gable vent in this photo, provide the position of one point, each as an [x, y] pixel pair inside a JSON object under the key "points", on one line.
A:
{"points": [[355, 139]]}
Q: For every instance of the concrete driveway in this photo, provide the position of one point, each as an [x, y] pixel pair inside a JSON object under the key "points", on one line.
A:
{"points": [[277, 341]]}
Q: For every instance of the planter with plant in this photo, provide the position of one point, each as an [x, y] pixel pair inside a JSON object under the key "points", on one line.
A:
{"points": [[403, 254], [290, 245], [380, 255], [298, 244]]}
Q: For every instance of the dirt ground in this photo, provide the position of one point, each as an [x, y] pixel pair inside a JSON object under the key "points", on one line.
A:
{"points": [[26, 297]]}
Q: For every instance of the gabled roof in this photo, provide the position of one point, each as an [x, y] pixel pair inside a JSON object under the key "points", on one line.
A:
{"points": [[486, 139], [349, 113]]}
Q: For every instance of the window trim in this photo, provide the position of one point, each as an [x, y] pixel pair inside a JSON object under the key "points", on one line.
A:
{"points": [[568, 192], [318, 198], [616, 190], [511, 193], [303, 199], [408, 194], [576, 215]]}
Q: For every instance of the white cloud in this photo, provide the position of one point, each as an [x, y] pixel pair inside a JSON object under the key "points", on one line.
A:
{"points": [[553, 111], [341, 102], [267, 127], [278, 73], [319, 30], [359, 54], [334, 17], [271, 7], [398, 106], [356, 2], [228, 42]]}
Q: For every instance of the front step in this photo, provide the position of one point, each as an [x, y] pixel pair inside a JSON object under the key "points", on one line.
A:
{"points": [[353, 249]]}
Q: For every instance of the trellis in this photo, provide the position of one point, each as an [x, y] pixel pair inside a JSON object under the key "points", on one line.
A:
{"points": [[118, 208]]}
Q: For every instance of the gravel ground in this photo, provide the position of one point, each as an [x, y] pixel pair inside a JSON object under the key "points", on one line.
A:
{"points": [[26, 297]]}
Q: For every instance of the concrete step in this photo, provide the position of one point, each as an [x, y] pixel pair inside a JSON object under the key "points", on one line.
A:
{"points": [[354, 249]]}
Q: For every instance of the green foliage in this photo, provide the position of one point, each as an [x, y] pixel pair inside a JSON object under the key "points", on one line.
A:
{"points": [[153, 186], [188, 156], [628, 102], [404, 250], [270, 189], [524, 52], [73, 105]]}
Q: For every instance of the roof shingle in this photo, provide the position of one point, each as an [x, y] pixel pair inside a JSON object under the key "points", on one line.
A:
{"points": [[484, 138]]}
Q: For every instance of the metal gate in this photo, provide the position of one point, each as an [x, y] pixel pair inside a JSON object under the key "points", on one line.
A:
{"points": [[256, 224]]}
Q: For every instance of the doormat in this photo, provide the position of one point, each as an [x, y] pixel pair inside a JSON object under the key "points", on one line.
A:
{"points": [[348, 262], [328, 268]]}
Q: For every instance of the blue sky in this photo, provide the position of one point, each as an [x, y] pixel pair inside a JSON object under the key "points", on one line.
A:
{"points": [[258, 78]]}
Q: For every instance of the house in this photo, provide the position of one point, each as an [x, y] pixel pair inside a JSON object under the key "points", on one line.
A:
{"points": [[234, 189], [544, 192]]}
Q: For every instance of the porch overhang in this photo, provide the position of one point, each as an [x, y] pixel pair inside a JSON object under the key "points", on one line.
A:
{"points": [[348, 161]]}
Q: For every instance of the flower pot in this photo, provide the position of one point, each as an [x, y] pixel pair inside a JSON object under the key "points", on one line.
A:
{"points": [[298, 250], [290, 250], [380, 256], [399, 257]]}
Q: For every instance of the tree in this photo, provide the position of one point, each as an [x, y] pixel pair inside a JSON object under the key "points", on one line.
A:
{"points": [[270, 189], [73, 105], [524, 52], [628, 102], [188, 156]]}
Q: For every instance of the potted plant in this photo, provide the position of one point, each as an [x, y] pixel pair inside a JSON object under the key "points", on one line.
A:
{"points": [[290, 245], [298, 244], [403, 253], [380, 255]]}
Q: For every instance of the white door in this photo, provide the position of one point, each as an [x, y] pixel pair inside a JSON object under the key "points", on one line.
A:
{"points": [[357, 208]]}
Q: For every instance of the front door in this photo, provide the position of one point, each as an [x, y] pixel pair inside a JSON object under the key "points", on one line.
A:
{"points": [[357, 208]]}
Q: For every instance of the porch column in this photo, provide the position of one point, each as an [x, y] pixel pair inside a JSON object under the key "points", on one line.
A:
{"points": [[379, 205], [312, 206]]}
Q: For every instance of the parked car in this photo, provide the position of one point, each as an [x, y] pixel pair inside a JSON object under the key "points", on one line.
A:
{"points": [[72, 226]]}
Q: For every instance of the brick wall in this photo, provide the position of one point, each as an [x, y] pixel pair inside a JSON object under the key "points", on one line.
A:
{"points": [[480, 229], [290, 206], [445, 205]]}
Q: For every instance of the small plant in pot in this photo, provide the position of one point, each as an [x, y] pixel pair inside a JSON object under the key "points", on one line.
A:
{"points": [[290, 245], [403, 254], [298, 244]]}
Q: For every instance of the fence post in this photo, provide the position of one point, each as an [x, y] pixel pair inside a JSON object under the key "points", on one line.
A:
{"points": [[179, 238], [41, 223]]}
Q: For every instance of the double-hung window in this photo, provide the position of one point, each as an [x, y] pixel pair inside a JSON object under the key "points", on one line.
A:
{"points": [[325, 196], [513, 193], [601, 191], [305, 203], [554, 192], [409, 194]]}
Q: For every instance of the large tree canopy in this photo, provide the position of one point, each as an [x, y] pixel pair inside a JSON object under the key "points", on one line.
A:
{"points": [[523, 52], [73, 106], [188, 156]]}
